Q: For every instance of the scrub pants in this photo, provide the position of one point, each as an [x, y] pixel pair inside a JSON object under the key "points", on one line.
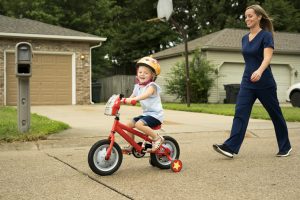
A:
{"points": [[245, 101]]}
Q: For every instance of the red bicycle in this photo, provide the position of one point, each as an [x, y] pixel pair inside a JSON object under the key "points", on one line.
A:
{"points": [[105, 156]]}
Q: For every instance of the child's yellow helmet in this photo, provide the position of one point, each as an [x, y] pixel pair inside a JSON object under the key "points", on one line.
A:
{"points": [[151, 63]]}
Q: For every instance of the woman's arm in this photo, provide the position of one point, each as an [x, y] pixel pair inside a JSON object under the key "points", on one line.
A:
{"points": [[268, 53]]}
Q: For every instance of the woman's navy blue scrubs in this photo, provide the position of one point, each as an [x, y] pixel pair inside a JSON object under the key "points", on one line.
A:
{"points": [[264, 90]]}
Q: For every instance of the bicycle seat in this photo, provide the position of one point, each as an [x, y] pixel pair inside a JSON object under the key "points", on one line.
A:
{"points": [[156, 127]]}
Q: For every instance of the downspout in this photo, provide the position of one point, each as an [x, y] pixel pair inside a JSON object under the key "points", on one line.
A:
{"points": [[93, 47]]}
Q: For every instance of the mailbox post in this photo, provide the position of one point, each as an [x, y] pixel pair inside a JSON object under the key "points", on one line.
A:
{"points": [[23, 58]]}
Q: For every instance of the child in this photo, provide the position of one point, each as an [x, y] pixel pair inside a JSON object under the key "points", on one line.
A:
{"points": [[146, 91]]}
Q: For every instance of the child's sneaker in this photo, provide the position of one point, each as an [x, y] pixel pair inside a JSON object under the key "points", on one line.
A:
{"points": [[157, 142], [127, 149]]}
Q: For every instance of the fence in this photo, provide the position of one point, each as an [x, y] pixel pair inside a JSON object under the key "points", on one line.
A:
{"points": [[119, 84]]}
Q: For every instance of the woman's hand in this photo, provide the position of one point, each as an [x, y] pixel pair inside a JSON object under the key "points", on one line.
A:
{"points": [[256, 76], [268, 53]]}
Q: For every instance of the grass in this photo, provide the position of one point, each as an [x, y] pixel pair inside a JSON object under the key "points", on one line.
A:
{"points": [[40, 126], [291, 114]]}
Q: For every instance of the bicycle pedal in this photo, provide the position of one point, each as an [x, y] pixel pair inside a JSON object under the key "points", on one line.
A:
{"points": [[126, 152], [148, 146]]}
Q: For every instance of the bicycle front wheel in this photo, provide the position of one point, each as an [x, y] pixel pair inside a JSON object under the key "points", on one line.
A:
{"points": [[97, 161]]}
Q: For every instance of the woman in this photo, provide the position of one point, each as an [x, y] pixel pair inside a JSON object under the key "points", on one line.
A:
{"points": [[257, 83]]}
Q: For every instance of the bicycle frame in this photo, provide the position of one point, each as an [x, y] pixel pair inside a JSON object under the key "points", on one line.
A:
{"points": [[119, 128]]}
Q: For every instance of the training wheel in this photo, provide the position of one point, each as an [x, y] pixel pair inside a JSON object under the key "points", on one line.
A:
{"points": [[176, 165]]}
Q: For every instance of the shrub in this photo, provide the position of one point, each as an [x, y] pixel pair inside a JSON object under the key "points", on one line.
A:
{"points": [[201, 79]]}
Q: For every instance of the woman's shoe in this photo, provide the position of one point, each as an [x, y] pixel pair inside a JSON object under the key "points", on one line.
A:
{"points": [[223, 149], [284, 154]]}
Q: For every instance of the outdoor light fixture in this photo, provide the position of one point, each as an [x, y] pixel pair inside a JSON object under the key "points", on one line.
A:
{"points": [[82, 57]]}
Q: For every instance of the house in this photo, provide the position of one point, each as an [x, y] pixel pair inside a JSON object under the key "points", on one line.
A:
{"points": [[61, 65], [223, 50]]}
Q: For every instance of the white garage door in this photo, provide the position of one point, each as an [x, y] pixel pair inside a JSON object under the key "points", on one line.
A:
{"points": [[51, 81], [231, 73]]}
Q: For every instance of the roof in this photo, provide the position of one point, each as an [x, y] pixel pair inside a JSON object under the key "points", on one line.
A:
{"points": [[27, 28], [230, 40]]}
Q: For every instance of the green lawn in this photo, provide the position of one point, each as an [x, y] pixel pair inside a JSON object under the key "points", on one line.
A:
{"points": [[39, 129], [291, 114]]}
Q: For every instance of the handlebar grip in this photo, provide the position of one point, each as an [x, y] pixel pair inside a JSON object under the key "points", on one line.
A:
{"points": [[123, 100], [133, 102]]}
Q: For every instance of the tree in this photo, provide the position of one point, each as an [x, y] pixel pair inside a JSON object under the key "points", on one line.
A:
{"points": [[130, 36], [285, 16], [133, 37]]}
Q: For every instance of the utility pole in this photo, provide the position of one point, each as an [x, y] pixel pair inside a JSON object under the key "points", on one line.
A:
{"points": [[164, 13], [184, 35]]}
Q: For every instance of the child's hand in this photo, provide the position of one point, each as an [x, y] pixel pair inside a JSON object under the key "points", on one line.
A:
{"points": [[131, 101]]}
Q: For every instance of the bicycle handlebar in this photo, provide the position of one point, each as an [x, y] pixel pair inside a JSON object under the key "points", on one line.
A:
{"points": [[123, 100]]}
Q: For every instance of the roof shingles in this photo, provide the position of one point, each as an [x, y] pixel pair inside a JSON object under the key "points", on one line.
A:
{"points": [[9, 25], [230, 39]]}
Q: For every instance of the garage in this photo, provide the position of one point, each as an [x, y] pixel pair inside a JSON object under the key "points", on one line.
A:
{"points": [[51, 81], [231, 73], [62, 62]]}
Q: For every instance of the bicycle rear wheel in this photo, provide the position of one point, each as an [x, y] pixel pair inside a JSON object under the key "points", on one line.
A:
{"points": [[163, 162]]}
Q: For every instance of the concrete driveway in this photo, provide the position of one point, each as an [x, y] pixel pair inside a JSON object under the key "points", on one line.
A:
{"points": [[57, 168]]}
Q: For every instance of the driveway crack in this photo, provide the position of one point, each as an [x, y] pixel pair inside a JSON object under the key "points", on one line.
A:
{"points": [[90, 177]]}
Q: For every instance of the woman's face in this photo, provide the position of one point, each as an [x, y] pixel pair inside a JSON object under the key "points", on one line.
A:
{"points": [[252, 20], [144, 74]]}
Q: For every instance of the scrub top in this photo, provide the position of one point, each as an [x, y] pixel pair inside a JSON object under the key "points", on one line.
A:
{"points": [[253, 53]]}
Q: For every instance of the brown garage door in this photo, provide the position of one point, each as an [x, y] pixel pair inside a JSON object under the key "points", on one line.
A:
{"points": [[51, 81]]}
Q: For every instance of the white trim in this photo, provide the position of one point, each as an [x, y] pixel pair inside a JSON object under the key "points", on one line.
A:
{"points": [[91, 100], [57, 37], [4, 73], [74, 79]]}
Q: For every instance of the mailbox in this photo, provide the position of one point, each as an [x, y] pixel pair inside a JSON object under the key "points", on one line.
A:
{"points": [[23, 59]]}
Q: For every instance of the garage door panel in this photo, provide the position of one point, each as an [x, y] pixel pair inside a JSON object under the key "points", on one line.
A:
{"points": [[51, 81], [231, 73]]}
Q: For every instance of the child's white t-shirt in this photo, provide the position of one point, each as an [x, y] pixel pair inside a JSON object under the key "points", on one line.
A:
{"points": [[152, 105]]}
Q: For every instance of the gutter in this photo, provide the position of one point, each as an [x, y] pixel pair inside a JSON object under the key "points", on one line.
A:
{"points": [[53, 37], [91, 48]]}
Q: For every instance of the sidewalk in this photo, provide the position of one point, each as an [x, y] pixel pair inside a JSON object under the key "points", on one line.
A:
{"points": [[57, 168]]}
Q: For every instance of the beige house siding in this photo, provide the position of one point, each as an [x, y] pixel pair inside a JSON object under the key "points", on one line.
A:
{"points": [[82, 67], [166, 66]]}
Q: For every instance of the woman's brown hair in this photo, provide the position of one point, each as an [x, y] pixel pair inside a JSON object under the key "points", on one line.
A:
{"points": [[266, 21]]}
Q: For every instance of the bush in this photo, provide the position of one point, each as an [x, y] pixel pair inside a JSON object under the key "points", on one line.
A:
{"points": [[201, 80]]}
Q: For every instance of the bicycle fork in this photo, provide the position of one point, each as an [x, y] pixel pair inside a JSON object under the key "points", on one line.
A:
{"points": [[112, 141]]}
